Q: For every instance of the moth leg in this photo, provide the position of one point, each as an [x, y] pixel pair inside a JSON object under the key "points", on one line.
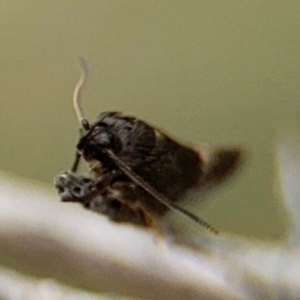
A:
{"points": [[125, 192], [92, 194], [119, 212], [75, 188], [162, 231], [120, 202], [136, 200], [121, 199], [72, 187]]}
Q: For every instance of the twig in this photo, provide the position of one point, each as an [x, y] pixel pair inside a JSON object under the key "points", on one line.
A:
{"points": [[14, 286], [44, 237]]}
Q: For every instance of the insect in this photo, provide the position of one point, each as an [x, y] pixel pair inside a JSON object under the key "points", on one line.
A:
{"points": [[137, 172]]}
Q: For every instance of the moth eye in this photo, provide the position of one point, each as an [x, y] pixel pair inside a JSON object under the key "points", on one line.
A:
{"points": [[103, 137]]}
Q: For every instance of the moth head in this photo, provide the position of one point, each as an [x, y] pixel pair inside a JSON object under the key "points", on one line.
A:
{"points": [[95, 140]]}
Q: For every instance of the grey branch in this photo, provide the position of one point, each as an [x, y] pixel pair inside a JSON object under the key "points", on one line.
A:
{"points": [[46, 238], [14, 286]]}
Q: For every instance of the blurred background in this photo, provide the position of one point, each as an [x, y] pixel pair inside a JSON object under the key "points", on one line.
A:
{"points": [[216, 72]]}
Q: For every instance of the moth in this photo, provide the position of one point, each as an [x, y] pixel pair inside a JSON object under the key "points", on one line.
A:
{"points": [[137, 173]]}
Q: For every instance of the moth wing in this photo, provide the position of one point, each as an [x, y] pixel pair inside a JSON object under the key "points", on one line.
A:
{"points": [[220, 163]]}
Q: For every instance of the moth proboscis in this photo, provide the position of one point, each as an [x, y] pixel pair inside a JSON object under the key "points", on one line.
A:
{"points": [[137, 172]]}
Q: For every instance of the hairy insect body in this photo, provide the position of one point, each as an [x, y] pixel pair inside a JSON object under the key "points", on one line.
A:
{"points": [[170, 168], [138, 173]]}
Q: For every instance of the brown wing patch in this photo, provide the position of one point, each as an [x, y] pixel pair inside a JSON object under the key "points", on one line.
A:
{"points": [[219, 164]]}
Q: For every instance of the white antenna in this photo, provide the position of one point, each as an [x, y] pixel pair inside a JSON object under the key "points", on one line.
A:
{"points": [[77, 100]]}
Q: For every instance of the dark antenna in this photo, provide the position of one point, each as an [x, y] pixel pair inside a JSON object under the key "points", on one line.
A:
{"points": [[76, 162], [161, 198], [77, 99]]}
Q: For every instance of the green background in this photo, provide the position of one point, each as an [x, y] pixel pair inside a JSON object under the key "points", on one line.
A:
{"points": [[217, 72]]}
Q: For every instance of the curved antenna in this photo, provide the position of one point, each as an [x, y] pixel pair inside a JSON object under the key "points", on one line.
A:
{"points": [[78, 91], [153, 192]]}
